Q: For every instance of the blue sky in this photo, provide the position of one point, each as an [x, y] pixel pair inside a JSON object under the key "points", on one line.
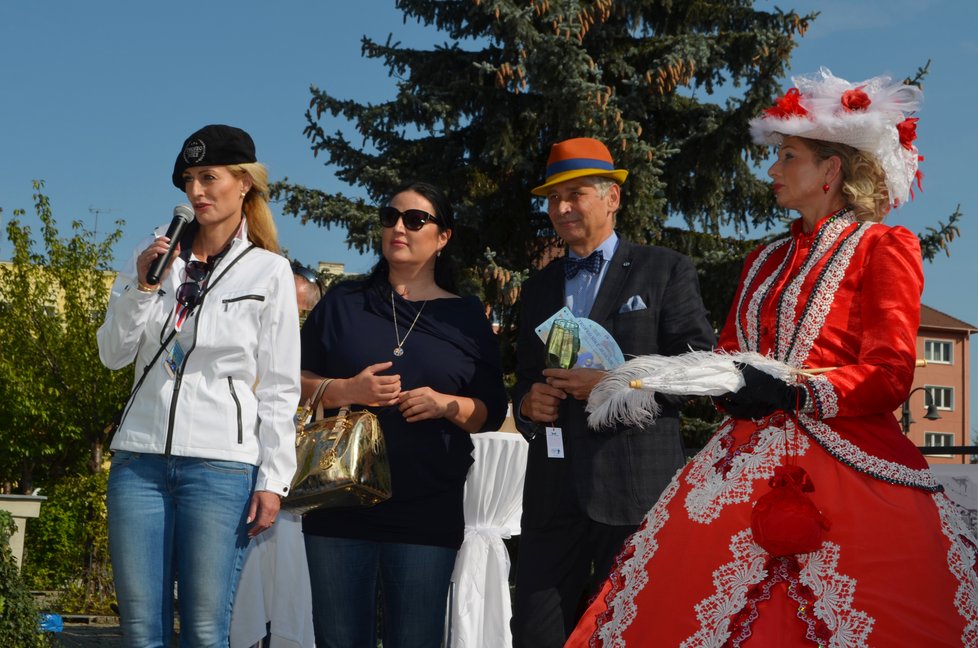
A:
{"points": [[98, 96]]}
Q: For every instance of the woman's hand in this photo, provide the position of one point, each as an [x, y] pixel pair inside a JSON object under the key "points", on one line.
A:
{"points": [[262, 511], [425, 403], [149, 255], [370, 388], [762, 395]]}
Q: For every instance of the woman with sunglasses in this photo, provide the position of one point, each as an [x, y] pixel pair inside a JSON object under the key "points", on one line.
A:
{"points": [[427, 363], [206, 445]]}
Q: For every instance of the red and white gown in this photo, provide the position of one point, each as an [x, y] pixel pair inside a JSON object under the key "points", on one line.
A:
{"points": [[897, 566]]}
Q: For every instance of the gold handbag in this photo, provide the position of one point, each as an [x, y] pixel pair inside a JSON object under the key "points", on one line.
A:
{"points": [[341, 460]]}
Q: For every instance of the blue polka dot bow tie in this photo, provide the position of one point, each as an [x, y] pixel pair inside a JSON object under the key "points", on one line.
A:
{"points": [[591, 263]]}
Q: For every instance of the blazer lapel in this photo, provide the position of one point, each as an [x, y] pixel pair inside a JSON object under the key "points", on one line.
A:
{"points": [[548, 296], [609, 295], [554, 298]]}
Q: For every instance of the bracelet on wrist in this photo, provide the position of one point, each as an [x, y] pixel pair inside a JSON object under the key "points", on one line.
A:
{"points": [[141, 287]]}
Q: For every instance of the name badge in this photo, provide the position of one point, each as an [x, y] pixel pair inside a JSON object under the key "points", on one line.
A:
{"points": [[555, 443], [173, 360]]}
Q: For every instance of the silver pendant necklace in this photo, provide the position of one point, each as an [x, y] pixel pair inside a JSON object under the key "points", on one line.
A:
{"points": [[399, 350]]}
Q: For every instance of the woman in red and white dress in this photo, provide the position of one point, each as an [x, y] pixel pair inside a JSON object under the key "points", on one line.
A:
{"points": [[809, 519]]}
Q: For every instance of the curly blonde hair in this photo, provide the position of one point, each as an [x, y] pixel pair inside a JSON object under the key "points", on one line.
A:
{"points": [[863, 179], [261, 224]]}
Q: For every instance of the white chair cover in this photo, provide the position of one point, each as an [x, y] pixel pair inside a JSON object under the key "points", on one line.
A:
{"points": [[960, 482], [481, 609], [274, 588]]}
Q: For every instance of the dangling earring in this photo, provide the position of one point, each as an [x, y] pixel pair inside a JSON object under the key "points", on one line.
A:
{"points": [[438, 253], [825, 188]]}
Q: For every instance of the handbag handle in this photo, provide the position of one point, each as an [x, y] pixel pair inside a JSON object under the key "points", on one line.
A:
{"points": [[315, 404]]}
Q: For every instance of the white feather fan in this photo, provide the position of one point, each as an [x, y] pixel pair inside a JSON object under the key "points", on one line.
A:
{"points": [[627, 393]]}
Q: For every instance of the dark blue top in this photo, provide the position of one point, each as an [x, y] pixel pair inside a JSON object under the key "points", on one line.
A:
{"points": [[452, 350]]}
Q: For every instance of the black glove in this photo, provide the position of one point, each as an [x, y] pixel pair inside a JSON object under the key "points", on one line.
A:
{"points": [[762, 394]]}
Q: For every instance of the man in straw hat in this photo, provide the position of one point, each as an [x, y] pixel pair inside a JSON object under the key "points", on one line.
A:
{"points": [[587, 490]]}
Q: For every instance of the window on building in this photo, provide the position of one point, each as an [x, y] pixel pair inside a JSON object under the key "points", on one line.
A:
{"points": [[938, 440], [942, 397], [938, 351]]}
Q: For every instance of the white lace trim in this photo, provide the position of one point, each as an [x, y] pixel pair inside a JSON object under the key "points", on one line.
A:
{"points": [[834, 594], [711, 490], [795, 340], [961, 558], [852, 455], [633, 573], [826, 399], [748, 339], [732, 582]]}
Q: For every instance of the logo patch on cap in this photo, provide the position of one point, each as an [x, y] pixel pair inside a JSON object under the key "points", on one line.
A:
{"points": [[194, 152]]}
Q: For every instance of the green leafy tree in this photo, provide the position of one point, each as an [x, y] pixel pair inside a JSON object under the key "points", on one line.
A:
{"points": [[18, 614], [67, 547], [55, 395]]}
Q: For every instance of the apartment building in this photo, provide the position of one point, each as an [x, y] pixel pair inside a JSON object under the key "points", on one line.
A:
{"points": [[943, 342]]}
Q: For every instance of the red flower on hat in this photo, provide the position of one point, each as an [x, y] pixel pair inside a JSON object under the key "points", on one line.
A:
{"points": [[787, 106], [855, 99], [908, 132]]}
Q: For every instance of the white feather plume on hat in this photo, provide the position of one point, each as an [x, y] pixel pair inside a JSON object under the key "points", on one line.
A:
{"points": [[818, 109]]}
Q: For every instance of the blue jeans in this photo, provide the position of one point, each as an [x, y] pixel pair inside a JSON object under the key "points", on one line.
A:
{"points": [[177, 519], [414, 581]]}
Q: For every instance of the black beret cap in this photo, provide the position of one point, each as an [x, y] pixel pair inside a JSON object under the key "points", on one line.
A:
{"points": [[213, 145]]}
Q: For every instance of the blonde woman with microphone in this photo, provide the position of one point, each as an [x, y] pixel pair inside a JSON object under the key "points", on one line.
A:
{"points": [[205, 449]]}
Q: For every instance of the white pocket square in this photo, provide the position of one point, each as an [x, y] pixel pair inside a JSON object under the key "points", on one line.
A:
{"points": [[634, 303]]}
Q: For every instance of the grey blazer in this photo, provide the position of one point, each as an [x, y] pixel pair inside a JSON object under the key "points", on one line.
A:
{"points": [[615, 474]]}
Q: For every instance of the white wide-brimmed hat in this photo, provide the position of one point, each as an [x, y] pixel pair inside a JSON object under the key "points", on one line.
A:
{"points": [[872, 116]]}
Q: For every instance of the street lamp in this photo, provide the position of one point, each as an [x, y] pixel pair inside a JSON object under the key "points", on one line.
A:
{"points": [[931, 415]]}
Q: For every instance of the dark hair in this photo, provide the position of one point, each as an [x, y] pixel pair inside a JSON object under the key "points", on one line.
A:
{"points": [[444, 270]]}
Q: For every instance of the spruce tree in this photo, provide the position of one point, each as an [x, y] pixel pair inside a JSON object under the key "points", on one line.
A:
{"points": [[668, 86]]}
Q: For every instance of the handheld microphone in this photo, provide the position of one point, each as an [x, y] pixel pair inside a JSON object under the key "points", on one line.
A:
{"points": [[183, 215]]}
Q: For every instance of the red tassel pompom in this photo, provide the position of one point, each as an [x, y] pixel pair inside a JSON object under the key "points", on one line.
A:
{"points": [[785, 521]]}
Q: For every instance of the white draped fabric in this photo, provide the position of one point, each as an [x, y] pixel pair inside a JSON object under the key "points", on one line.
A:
{"points": [[960, 482], [274, 588], [481, 606]]}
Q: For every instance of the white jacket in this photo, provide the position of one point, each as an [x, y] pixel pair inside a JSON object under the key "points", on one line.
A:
{"points": [[236, 393]]}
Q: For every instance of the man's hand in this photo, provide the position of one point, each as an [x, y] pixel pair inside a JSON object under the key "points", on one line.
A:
{"points": [[578, 383], [542, 403]]}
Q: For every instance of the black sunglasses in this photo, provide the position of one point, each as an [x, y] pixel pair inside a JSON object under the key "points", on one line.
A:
{"points": [[414, 219], [188, 294]]}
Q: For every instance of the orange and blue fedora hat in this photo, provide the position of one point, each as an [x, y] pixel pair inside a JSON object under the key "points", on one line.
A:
{"points": [[576, 158]]}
